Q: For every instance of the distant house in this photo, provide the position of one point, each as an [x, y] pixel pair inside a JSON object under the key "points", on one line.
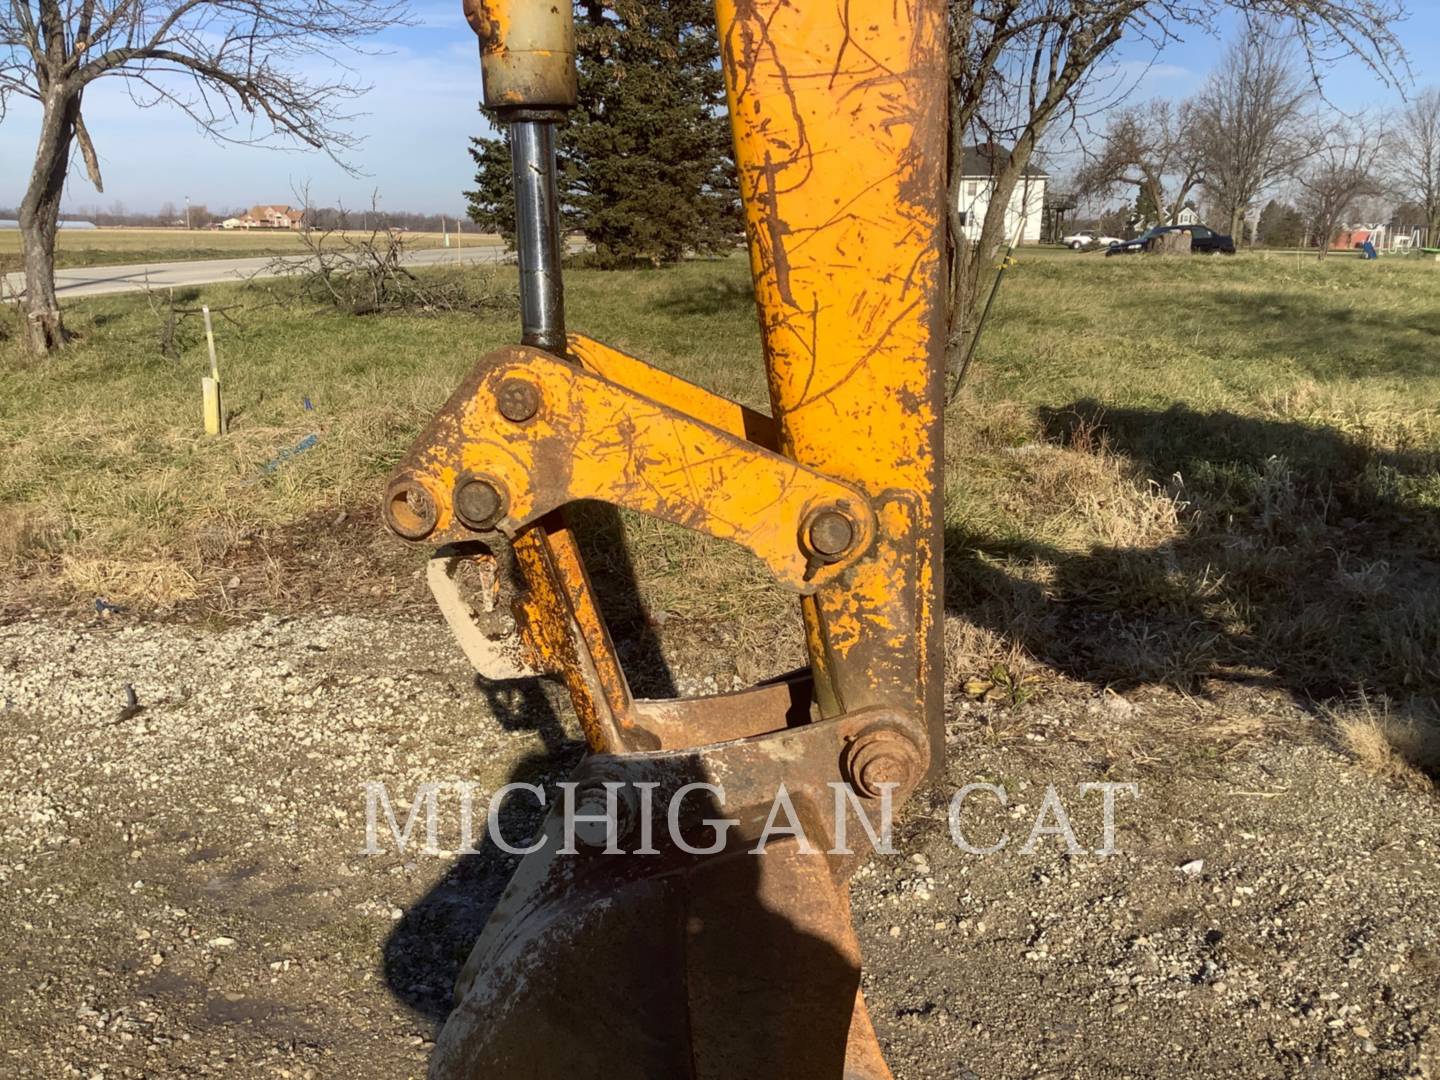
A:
{"points": [[1187, 215], [1025, 212], [1354, 237], [267, 217]]}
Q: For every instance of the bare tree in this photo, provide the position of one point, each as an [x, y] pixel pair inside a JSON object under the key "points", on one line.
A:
{"points": [[236, 67], [1416, 151], [1019, 69], [1250, 122], [1154, 148], [1015, 67], [1339, 176]]}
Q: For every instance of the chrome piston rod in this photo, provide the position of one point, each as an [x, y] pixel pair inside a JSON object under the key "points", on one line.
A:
{"points": [[537, 234]]}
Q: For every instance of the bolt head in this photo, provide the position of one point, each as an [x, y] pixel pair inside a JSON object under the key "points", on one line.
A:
{"points": [[831, 533], [880, 757], [885, 769], [478, 503], [593, 800], [517, 399]]}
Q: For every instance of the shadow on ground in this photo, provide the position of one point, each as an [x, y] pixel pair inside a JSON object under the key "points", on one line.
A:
{"points": [[1306, 561], [722, 297], [429, 945]]}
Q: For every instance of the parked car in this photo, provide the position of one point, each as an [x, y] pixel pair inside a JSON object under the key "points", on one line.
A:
{"points": [[1203, 241], [1080, 241]]}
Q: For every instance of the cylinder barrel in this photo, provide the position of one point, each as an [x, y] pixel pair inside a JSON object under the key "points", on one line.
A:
{"points": [[527, 52]]}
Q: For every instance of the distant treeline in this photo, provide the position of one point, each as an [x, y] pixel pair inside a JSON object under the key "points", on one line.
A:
{"points": [[330, 217]]}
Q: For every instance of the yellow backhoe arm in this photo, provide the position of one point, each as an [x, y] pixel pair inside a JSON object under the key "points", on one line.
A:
{"points": [[692, 957]]}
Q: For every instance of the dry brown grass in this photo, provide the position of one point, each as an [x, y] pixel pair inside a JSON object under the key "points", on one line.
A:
{"points": [[1070, 495], [1007, 479], [161, 581], [972, 648], [1246, 490], [27, 532], [1401, 750]]}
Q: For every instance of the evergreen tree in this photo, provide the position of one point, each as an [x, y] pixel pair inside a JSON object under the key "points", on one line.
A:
{"points": [[492, 203], [1281, 226], [1147, 213], [1116, 222], [645, 160]]}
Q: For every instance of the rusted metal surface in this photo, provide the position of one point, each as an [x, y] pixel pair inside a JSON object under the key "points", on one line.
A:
{"points": [[677, 393], [883, 757], [677, 723], [838, 114], [673, 963], [725, 964], [527, 52], [570, 435], [561, 623]]}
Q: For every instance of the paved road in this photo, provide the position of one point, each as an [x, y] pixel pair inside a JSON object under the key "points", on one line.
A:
{"points": [[95, 280]]}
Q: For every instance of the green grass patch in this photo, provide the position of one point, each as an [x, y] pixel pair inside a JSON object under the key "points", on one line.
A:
{"points": [[1164, 470]]}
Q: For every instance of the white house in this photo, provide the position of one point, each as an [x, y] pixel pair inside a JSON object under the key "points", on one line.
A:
{"points": [[1026, 210], [1188, 215]]}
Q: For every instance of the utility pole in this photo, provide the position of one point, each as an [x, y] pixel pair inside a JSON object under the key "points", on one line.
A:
{"points": [[187, 213]]}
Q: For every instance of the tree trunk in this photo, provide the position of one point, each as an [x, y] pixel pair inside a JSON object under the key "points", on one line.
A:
{"points": [[959, 301], [1171, 243], [974, 259], [40, 218], [1237, 225]]}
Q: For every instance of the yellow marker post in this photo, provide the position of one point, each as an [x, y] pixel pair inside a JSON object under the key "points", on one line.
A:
{"points": [[211, 410], [210, 395]]}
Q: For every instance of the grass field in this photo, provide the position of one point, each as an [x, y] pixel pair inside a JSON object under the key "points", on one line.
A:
{"points": [[106, 247], [1162, 471]]}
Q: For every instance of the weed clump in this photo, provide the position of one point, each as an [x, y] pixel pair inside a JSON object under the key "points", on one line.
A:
{"points": [[1399, 749]]}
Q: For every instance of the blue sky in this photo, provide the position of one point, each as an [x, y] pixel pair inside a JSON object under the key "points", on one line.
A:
{"points": [[422, 110], [1180, 69]]}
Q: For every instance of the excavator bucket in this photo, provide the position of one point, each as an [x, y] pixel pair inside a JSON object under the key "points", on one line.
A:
{"points": [[720, 964], [684, 911]]}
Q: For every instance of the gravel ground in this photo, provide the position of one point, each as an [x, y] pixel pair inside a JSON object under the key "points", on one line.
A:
{"points": [[182, 890]]}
